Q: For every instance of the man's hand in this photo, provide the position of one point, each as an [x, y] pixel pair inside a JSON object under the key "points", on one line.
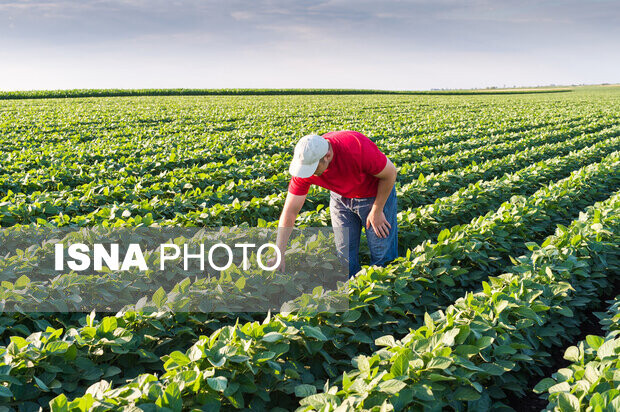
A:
{"points": [[282, 266], [376, 219]]}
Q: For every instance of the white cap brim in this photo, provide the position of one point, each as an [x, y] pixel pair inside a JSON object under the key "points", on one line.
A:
{"points": [[300, 170]]}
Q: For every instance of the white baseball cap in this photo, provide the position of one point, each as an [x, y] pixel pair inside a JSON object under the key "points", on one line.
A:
{"points": [[308, 152]]}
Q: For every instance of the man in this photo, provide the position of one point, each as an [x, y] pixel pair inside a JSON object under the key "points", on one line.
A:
{"points": [[361, 180]]}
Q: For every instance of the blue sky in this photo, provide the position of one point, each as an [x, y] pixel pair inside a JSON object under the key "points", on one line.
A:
{"points": [[387, 44]]}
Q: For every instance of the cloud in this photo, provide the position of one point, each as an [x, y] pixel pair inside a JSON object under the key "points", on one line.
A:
{"points": [[241, 34], [242, 15], [297, 32]]}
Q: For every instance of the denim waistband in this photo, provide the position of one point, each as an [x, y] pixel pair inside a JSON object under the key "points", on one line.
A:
{"points": [[353, 203], [336, 195]]}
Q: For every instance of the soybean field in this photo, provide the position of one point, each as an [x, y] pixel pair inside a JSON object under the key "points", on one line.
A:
{"points": [[506, 294]]}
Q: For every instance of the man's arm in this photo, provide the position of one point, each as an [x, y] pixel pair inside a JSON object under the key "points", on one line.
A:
{"points": [[292, 206], [376, 218]]}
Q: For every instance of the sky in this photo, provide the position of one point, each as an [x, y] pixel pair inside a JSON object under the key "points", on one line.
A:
{"points": [[369, 44]]}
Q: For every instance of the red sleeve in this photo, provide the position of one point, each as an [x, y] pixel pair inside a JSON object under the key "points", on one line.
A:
{"points": [[373, 160], [298, 186]]}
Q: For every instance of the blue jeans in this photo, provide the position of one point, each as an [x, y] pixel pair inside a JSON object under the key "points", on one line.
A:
{"points": [[351, 214]]}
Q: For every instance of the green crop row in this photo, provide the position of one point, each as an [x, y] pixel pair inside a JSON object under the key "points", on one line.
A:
{"points": [[515, 161], [410, 167], [23, 177], [592, 381], [415, 226], [170, 160], [488, 343], [133, 150], [421, 223], [425, 222], [471, 201], [141, 197], [418, 192], [305, 347], [486, 195], [118, 130], [23, 288]]}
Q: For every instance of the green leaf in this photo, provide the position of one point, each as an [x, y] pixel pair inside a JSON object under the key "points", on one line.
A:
{"points": [[351, 316], [272, 337], [543, 385], [291, 373], [111, 371], [218, 383], [575, 240], [5, 392], [567, 402], [98, 389], [597, 400], [400, 365], [484, 342], [318, 400], [387, 340], [607, 349], [59, 404], [41, 385], [467, 350], [614, 405], [563, 374], [505, 350], [240, 283], [159, 297], [180, 358], [265, 356], [449, 336], [566, 312], [57, 347], [194, 353], [439, 362], [303, 390], [466, 394], [531, 246], [592, 374], [447, 280], [438, 377], [594, 341], [428, 322], [391, 386], [560, 387], [492, 369], [363, 364], [22, 281], [443, 235], [108, 324], [572, 354], [171, 398], [19, 342], [313, 332]]}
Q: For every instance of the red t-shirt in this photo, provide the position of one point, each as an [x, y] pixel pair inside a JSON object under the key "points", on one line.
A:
{"points": [[350, 173]]}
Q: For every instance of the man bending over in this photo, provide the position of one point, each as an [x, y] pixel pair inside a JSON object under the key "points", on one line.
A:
{"points": [[362, 193]]}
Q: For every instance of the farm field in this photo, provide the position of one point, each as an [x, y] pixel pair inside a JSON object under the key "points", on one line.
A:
{"points": [[509, 229]]}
